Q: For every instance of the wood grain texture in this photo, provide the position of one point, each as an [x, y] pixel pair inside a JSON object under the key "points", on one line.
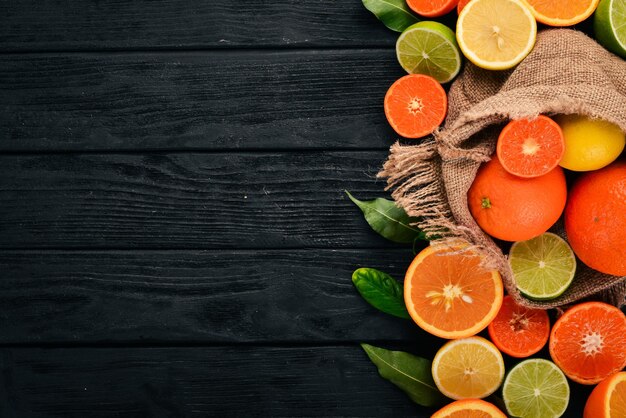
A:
{"points": [[182, 200], [143, 24], [220, 100], [183, 382], [195, 296], [334, 381]]}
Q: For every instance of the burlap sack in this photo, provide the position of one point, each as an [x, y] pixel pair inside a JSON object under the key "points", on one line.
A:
{"points": [[567, 73]]}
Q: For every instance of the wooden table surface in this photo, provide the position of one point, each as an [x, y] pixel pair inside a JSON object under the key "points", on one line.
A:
{"points": [[174, 236]]}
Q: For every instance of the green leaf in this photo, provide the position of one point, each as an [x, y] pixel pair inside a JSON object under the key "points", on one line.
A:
{"points": [[388, 220], [394, 14], [381, 291], [410, 373]]}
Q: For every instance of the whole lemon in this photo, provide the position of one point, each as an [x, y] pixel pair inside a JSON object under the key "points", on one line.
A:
{"points": [[590, 144]]}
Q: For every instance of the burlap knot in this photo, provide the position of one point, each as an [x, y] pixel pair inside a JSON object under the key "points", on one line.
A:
{"points": [[566, 73]]}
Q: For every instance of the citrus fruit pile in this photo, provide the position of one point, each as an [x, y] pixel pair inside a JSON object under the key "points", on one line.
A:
{"points": [[448, 293], [492, 34], [545, 168], [522, 191]]}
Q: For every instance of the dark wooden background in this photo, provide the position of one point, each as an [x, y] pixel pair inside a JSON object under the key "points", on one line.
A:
{"points": [[174, 236]]}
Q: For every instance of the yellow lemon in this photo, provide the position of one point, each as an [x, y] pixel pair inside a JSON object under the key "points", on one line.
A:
{"points": [[590, 144], [496, 34], [468, 368]]}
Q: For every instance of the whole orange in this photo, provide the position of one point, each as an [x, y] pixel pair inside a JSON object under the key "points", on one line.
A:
{"points": [[513, 208], [595, 219]]}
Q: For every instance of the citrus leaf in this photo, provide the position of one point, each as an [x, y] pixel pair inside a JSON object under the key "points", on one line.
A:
{"points": [[394, 14], [388, 220], [408, 372], [381, 291]]}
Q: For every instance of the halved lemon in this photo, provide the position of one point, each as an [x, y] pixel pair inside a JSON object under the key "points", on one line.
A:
{"points": [[496, 34], [468, 368]]}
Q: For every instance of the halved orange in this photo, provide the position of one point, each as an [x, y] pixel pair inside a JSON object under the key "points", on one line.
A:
{"points": [[588, 342], [561, 12], [432, 8], [518, 331], [608, 399], [530, 147], [449, 294], [469, 408], [415, 105]]}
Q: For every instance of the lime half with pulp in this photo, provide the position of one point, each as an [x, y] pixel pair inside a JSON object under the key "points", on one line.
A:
{"points": [[429, 48], [609, 24], [536, 388], [543, 267]]}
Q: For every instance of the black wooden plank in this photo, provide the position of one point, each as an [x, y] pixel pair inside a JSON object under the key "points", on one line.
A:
{"points": [[200, 296], [196, 100], [196, 381], [213, 381], [144, 24], [181, 200]]}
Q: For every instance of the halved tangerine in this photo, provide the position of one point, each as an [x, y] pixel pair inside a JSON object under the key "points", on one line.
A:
{"points": [[519, 331], [432, 8], [588, 342], [449, 294], [415, 105], [531, 147]]}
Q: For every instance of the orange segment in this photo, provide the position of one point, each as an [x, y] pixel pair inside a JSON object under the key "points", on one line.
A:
{"points": [[415, 105], [519, 331], [469, 408], [531, 148], [432, 8], [562, 12], [448, 293], [589, 342]]}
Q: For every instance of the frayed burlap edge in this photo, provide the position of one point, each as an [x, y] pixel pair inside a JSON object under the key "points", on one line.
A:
{"points": [[414, 175], [417, 176]]}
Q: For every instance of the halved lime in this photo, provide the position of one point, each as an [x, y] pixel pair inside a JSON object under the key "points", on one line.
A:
{"points": [[609, 24], [536, 388], [429, 48], [543, 267]]}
